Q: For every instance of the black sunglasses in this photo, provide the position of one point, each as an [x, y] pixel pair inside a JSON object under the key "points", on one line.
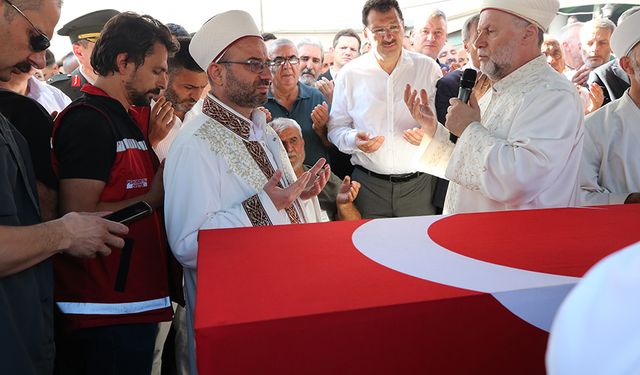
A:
{"points": [[38, 42]]}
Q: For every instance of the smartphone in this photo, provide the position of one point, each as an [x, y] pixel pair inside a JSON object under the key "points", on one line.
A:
{"points": [[130, 213]]}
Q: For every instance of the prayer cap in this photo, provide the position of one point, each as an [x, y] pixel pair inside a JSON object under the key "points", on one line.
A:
{"points": [[539, 12], [219, 33], [87, 26], [626, 35]]}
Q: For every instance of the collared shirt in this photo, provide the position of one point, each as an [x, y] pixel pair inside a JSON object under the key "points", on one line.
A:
{"points": [[308, 98], [162, 148], [51, 98], [368, 99], [610, 168], [525, 151]]}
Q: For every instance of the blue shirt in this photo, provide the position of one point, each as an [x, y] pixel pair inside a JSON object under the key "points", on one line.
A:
{"points": [[308, 98]]}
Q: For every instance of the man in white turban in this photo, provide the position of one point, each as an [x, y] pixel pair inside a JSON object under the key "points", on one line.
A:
{"points": [[519, 146], [227, 168], [610, 170]]}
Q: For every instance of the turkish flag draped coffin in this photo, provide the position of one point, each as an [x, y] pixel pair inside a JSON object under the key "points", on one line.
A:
{"points": [[468, 293]]}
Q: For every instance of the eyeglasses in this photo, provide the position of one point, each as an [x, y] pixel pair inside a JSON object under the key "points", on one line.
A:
{"points": [[280, 61], [38, 42], [382, 31], [256, 66]]}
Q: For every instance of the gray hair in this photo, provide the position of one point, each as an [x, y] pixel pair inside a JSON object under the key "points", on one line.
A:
{"points": [[600, 24], [277, 43], [311, 42], [437, 13], [565, 31], [280, 124], [468, 25]]}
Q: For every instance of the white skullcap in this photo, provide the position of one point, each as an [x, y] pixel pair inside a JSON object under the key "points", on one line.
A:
{"points": [[539, 12], [626, 35], [219, 33]]}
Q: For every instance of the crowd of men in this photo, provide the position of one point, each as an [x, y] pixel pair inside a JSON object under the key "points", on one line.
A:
{"points": [[223, 128]]}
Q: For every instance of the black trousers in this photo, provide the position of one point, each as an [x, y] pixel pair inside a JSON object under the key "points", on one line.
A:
{"points": [[111, 350]]}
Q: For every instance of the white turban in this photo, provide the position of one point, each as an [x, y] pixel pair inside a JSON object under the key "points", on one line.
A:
{"points": [[219, 33], [626, 35], [539, 12]]}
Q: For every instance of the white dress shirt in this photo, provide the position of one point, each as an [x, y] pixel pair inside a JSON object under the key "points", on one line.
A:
{"points": [[368, 99], [525, 151], [610, 168], [51, 98]]}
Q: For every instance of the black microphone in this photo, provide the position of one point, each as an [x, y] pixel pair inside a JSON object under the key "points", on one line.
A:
{"points": [[467, 81]]}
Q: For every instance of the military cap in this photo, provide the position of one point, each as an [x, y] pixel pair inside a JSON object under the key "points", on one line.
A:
{"points": [[87, 26]]}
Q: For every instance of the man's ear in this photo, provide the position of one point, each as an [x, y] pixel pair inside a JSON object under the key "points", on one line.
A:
{"points": [[214, 71], [625, 64], [531, 32], [123, 63]]}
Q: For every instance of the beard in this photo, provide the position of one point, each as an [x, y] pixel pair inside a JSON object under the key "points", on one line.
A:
{"points": [[307, 77], [244, 94], [178, 104], [635, 63], [140, 98], [499, 65]]}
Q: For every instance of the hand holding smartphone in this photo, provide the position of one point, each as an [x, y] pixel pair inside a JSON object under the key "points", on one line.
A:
{"points": [[130, 213]]}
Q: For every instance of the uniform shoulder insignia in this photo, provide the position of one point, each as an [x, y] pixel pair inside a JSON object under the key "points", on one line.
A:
{"points": [[59, 77]]}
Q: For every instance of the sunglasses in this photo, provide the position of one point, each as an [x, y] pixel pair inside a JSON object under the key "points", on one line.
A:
{"points": [[38, 42]]}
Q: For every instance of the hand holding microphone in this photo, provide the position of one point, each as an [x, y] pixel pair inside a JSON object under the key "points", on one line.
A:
{"points": [[459, 114]]}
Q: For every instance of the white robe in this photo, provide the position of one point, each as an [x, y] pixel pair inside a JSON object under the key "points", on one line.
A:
{"points": [[209, 177], [610, 168], [525, 152], [597, 330]]}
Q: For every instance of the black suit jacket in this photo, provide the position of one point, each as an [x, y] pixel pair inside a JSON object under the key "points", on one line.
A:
{"points": [[611, 78], [446, 88]]}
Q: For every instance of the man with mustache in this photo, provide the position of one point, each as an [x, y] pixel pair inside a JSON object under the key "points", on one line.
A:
{"points": [[520, 147], [105, 164], [370, 122], [291, 99], [336, 199], [227, 168], [27, 246], [311, 56], [186, 83]]}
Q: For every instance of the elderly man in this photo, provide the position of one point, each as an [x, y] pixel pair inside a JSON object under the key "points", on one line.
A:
{"points": [[311, 54], [186, 83], [610, 76], [108, 166], [26, 282], [570, 38], [249, 180], [370, 122], [292, 99], [336, 199], [520, 146], [610, 170], [83, 31], [430, 36]]}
